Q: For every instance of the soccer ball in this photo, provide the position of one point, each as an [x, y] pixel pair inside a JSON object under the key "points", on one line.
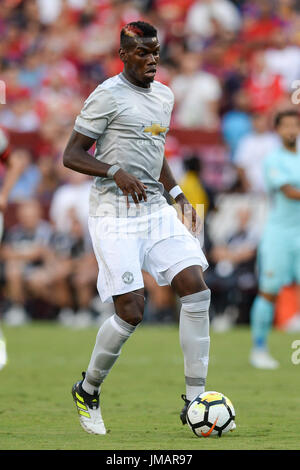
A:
{"points": [[211, 414]]}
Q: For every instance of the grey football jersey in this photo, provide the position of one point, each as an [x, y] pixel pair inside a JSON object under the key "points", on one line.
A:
{"points": [[129, 124]]}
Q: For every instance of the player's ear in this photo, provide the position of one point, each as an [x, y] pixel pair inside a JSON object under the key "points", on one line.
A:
{"points": [[123, 55]]}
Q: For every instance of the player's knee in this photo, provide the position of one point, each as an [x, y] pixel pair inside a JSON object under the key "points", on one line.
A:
{"points": [[270, 289], [268, 296], [132, 315], [189, 281], [130, 308]]}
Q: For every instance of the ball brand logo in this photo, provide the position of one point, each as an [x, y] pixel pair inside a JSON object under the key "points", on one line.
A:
{"points": [[155, 129], [127, 277], [206, 434], [2, 92]]}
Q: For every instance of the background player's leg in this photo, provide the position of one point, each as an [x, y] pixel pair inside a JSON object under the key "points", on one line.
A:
{"points": [[194, 327], [111, 336], [274, 261], [261, 320], [261, 314]]}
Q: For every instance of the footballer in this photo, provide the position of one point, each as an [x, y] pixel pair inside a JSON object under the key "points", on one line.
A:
{"points": [[279, 249], [132, 226]]}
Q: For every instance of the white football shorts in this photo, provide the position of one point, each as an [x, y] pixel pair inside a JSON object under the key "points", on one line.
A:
{"points": [[158, 243]]}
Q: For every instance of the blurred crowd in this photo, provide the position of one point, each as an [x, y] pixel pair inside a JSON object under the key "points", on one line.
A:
{"points": [[231, 65]]}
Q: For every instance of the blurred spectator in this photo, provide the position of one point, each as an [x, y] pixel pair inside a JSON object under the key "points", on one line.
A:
{"points": [[251, 151], [16, 164], [192, 186], [73, 194], [231, 275], [197, 95], [260, 22], [207, 17], [67, 279], [24, 249], [174, 157], [265, 89], [20, 116], [26, 186], [283, 58], [32, 71], [48, 181], [236, 123], [49, 11]]}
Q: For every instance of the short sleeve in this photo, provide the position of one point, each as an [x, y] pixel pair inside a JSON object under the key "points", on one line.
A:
{"points": [[98, 111], [275, 173]]}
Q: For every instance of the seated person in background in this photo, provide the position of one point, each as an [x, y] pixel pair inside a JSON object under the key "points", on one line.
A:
{"points": [[24, 249], [26, 185], [67, 277], [73, 271], [192, 186], [251, 152], [232, 274]]}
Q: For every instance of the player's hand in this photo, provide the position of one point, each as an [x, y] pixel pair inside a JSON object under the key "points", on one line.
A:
{"points": [[188, 215], [130, 185]]}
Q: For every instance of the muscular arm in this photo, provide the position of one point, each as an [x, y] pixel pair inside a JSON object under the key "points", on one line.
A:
{"points": [[77, 158], [189, 215], [166, 177], [291, 192]]}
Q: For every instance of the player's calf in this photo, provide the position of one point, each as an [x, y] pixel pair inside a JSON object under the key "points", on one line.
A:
{"points": [[195, 340]]}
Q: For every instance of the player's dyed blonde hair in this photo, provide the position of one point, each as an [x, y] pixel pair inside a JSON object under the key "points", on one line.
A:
{"points": [[131, 32]]}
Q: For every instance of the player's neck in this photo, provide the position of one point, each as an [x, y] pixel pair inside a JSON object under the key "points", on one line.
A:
{"points": [[134, 81]]}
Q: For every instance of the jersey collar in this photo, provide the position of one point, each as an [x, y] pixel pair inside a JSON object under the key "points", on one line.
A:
{"points": [[135, 87]]}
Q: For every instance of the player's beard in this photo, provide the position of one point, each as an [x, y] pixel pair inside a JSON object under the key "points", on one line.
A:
{"points": [[291, 143], [148, 79]]}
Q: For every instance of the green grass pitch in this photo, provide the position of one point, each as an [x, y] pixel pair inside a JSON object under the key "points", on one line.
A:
{"points": [[141, 396]]}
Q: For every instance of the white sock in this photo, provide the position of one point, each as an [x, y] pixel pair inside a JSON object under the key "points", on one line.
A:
{"points": [[110, 338], [195, 340]]}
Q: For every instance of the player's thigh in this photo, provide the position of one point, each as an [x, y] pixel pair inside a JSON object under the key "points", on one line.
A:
{"points": [[119, 262], [189, 281], [274, 265], [179, 256]]}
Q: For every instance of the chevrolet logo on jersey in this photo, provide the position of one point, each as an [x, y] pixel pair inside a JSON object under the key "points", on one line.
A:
{"points": [[155, 129]]}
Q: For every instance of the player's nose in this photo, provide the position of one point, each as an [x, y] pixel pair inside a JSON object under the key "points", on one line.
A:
{"points": [[153, 59]]}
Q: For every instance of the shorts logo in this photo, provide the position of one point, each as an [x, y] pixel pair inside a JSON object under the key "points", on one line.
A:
{"points": [[127, 277]]}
